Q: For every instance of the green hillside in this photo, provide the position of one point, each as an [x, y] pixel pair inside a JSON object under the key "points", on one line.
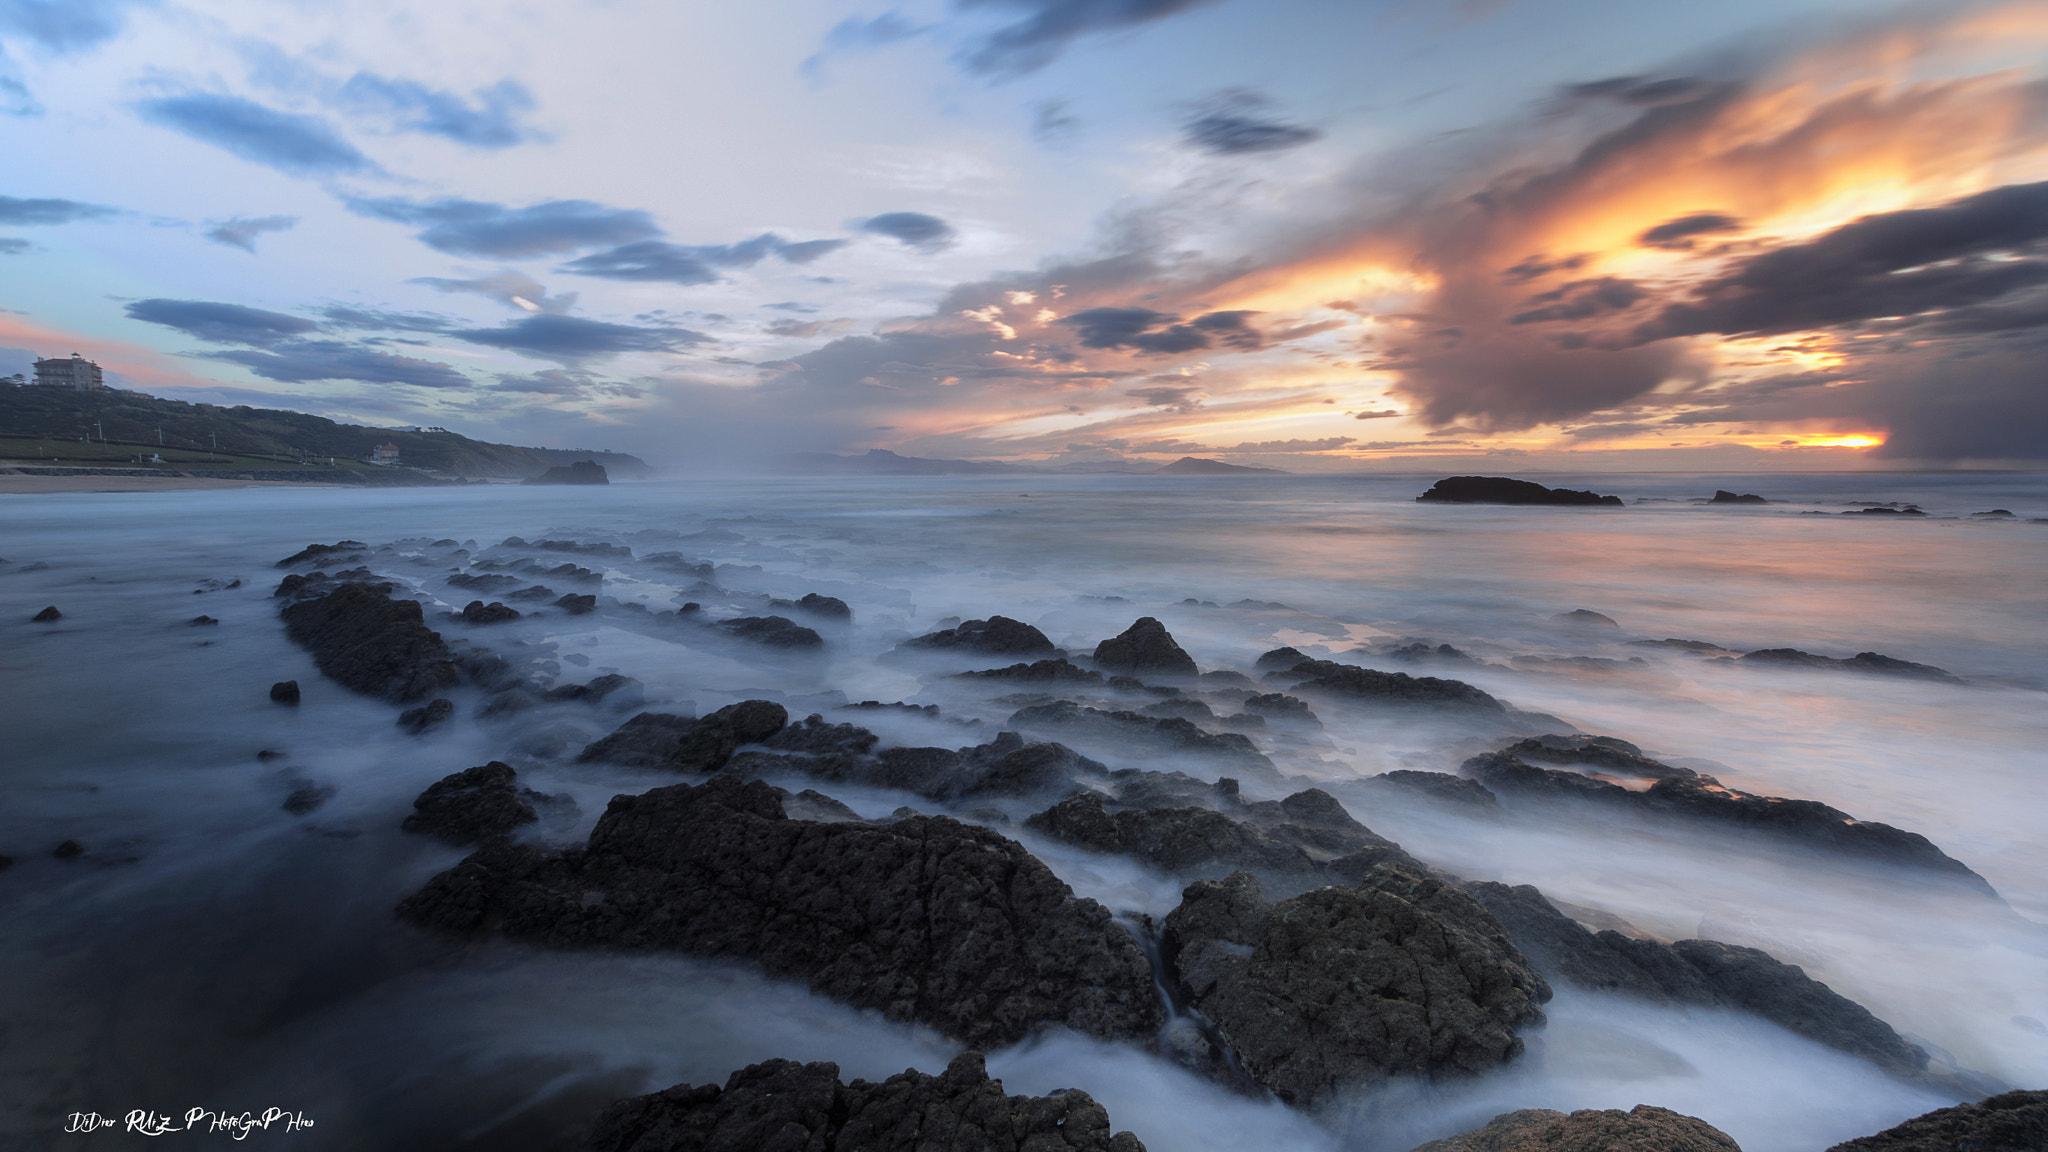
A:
{"points": [[44, 423]]}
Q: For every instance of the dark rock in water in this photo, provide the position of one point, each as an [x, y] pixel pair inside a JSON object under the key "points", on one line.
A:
{"points": [[1006, 766], [1306, 837], [781, 1105], [1059, 671], [925, 919], [659, 740], [539, 593], [619, 691], [1681, 645], [1355, 683], [1501, 490], [312, 552], [613, 551], [1861, 662], [202, 621], [285, 692], [432, 714], [1587, 616], [1279, 659], [1183, 707], [1280, 706], [1995, 514], [1145, 646], [68, 849], [1702, 972], [307, 797], [824, 607], [1640, 1129], [471, 805], [46, 615], [1441, 787], [1723, 496], [369, 643], [576, 605], [1402, 975], [1704, 798], [2007, 1122], [1420, 653], [477, 612], [1602, 752], [1167, 734], [772, 632], [1908, 510], [488, 582], [811, 804], [995, 636], [581, 472]]}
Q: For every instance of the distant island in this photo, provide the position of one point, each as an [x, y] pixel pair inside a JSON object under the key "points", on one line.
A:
{"points": [[107, 427], [882, 462], [1503, 490]]}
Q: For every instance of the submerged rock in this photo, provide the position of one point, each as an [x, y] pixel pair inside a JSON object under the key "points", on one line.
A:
{"points": [[2007, 1122], [576, 605], [479, 612], [925, 919], [1586, 617], [1640, 1129], [367, 642], [1145, 646], [46, 615], [1861, 662], [1437, 787], [1352, 682], [1723, 496], [285, 692], [683, 744], [1060, 671], [471, 805], [432, 714], [321, 552], [1164, 733], [1403, 974], [995, 636], [1502, 490], [772, 632], [581, 472], [781, 1105]]}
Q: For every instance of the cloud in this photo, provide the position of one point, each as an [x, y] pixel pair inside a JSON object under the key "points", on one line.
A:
{"points": [[13, 246], [1327, 444], [1376, 415], [1046, 28], [913, 229], [1235, 123], [562, 382], [574, 338], [15, 98], [1580, 300], [491, 122], [342, 316], [241, 232], [19, 212], [493, 231], [309, 360], [1053, 122], [1677, 235], [222, 323], [66, 25], [1141, 329], [515, 289], [1180, 399], [291, 143], [655, 260]]}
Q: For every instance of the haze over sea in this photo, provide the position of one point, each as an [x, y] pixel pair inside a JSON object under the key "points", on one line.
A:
{"points": [[209, 948]]}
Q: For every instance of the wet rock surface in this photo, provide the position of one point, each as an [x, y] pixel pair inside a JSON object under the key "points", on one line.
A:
{"points": [[684, 744], [1145, 647], [46, 615], [368, 642], [1872, 662], [1169, 734], [285, 692], [478, 612], [473, 804], [1352, 682], [1007, 766], [782, 1105], [1058, 671], [1502, 490], [995, 636], [772, 632], [1403, 974], [426, 717], [2007, 1122], [1640, 1129], [1703, 972], [925, 919], [581, 472]]}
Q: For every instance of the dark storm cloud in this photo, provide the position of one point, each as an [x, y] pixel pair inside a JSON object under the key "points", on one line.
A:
{"points": [[20, 212], [66, 25], [657, 260], [475, 228], [574, 338], [1046, 28], [222, 323], [913, 229], [291, 143], [303, 361], [1580, 300], [492, 121], [242, 233], [1677, 235], [1159, 332]]}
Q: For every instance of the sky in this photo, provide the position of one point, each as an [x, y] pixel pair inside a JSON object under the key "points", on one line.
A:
{"points": [[1318, 235]]}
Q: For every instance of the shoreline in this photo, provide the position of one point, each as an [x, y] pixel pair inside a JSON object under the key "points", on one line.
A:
{"points": [[21, 479]]}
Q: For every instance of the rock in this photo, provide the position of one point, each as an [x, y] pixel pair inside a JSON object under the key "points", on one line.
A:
{"points": [[1640, 1129], [2007, 1122], [369, 643], [285, 692], [576, 605], [1702, 972], [620, 691], [313, 552], [1586, 616], [1006, 766], [1164, 734], [1338, 986], [1352, 682], [490, 582], [1059, 671], [477, 612], [1995, 514], [679, 744], [925, 919], [471, 805], [1501, 490], [1723, 496], [202, 621], [68, 849], [432, 714], [581, 472], [307, 797], [1861, 662], [1680, 645], [995, 636], [1145, 646], [1909, 510], [824, 607], [772, 632], [1440, 787], [1279, 659], [1279, 706], [779, 1104], [539, 593], [46, 615], [811, 804], [1183, 707], [1603, 752]]}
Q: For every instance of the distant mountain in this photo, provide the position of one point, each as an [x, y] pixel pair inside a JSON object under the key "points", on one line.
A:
{"points": [[1193, 466], [136, 418]]}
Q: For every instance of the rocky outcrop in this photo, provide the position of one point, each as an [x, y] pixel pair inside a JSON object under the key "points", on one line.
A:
{"points": [[1874, 662], [682, 744], [367, 642], [772, 632], [347, 550], [1403, 974], [1723, 496], [1640, 1129], [1165, 733], [925, 919], [432, 714], [285, 692], [1008, 766], [46, 615], [478, 612], [995, 636], [1692, 796], [1702, 972], [782, 1105], [1349, 681], [2007, 1122], [473, 804], [823, 607], [1436, 787], [576, 605], [581, 472], [1059, 671], [1145, 647], [1502, 490], [1605, 753]]}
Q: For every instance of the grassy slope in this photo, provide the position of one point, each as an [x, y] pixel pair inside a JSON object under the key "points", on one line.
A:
{"points": [[265, 437]]}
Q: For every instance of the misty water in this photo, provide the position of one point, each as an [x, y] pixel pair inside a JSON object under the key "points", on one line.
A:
{"points": [[210, 949]]}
